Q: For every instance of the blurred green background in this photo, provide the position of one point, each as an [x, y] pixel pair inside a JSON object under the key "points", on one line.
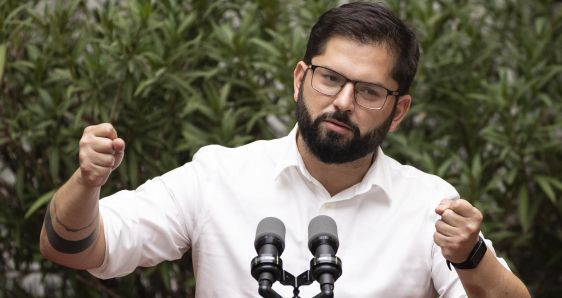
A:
{"points": [[173, 76]]}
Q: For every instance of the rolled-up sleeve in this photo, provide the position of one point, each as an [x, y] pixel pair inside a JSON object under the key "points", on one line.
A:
{"points": [[151, 224]]}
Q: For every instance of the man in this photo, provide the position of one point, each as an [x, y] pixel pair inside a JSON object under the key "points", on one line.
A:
{"points": [[397, 225]]}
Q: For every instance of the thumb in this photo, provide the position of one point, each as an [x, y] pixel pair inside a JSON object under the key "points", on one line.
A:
{"points": [[443, 205], [119, 148]]}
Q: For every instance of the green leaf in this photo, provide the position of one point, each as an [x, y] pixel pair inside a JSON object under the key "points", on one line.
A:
{"points": [[164, 271], [2, 59], [523, 209], [476, 168], [20, 181], [186, 22], [40, 202], [268, 47], [46, 98], [224, 93], [54, 162], [546, 184], [61, 74], [133, 168]]}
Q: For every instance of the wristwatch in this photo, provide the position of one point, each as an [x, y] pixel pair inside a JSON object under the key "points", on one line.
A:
{"points": [[474, 257]]}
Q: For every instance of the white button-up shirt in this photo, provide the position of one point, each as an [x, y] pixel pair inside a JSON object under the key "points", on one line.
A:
{"points": [[213, 204]]}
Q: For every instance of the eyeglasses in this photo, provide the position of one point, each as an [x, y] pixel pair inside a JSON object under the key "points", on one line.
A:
{"points": [[367, 95]]}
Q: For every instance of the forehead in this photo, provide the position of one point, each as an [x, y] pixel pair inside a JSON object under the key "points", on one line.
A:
{"points": [[370, 62]]}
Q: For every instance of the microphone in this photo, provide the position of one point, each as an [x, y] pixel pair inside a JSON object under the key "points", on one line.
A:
{"points": [[323, 243], [267, 267]]}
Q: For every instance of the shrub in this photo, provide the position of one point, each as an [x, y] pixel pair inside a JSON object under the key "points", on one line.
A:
{"points": [[486, 117], [173, 76]]}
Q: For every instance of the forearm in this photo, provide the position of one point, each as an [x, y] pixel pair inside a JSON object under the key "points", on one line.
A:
{"points": [[73, 219], [491, 279]]}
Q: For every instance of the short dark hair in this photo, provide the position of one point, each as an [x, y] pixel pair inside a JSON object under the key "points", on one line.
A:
{"points": [[369, 23]]}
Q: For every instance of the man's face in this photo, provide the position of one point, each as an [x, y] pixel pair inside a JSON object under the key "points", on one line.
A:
{"points": [[335, 128], [331, 147]]}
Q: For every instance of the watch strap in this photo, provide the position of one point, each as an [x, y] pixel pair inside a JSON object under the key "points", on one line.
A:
{"points": [[474, 257]]}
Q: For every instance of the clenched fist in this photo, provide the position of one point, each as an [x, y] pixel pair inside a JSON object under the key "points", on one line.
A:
{"points": [[457, 230], [101, 151]]}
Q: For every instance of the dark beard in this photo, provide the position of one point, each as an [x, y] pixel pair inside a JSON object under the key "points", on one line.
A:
{"points": [[330, 147]]}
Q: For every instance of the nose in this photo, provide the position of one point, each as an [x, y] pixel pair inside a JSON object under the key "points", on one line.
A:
{"points": [[345, 99]]}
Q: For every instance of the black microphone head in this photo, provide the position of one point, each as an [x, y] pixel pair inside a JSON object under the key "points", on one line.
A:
{"points": [[322, 230], [270, 230]]}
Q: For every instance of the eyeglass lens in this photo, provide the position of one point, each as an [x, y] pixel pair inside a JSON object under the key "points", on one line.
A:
{"points": [[330, 83]]}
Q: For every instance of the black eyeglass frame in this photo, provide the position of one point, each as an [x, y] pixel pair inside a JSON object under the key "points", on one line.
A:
{"points": [[388, 91]]}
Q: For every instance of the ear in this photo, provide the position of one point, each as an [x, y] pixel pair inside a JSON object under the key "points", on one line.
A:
{"points": [[298, 75], [402, 108]]}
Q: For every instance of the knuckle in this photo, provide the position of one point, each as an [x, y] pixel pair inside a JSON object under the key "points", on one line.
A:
{"points": [[111, 161], [84, 142], [479, 216], [460, 204], [106, 128], [106, 143], [99, 129], [472, 228], [82, 157]]}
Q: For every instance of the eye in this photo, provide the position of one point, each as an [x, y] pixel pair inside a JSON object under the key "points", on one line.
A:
{"points": [[371, 92], [331, 77]]}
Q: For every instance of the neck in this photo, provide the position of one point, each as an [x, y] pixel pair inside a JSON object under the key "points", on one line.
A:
{"points": [[334, 177]]}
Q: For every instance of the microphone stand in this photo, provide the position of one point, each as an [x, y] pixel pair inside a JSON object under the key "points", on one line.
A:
{"points": [[326, 270]]}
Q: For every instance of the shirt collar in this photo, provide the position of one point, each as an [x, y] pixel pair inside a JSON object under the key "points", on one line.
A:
{"points": [[290, 156], [378, 175]]}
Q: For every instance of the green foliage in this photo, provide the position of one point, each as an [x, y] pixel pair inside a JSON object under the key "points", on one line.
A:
{"points": [[486, 117], [173, 76]]}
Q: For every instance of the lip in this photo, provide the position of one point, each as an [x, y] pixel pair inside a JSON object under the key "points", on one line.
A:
{"points": [[337, 126]]}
